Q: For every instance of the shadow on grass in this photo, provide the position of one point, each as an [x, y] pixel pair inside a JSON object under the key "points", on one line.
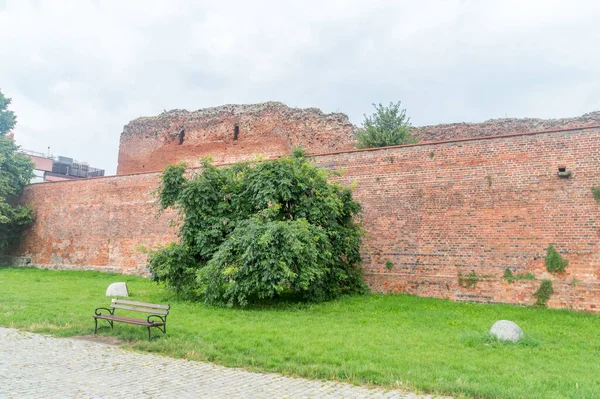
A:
{"points": [[486, 340]]}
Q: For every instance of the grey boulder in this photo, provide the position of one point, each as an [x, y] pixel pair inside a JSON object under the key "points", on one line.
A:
{"points": [[117, 289], [505, 330]]}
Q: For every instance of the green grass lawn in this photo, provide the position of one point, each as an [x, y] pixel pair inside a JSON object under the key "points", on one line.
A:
{"points": [[395, 341]]}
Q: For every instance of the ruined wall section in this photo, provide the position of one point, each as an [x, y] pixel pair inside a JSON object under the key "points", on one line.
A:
{"points": [[269, 129], [435, 211], [495, 127]]}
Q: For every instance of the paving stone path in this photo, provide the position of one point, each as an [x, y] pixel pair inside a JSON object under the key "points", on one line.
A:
{"points": [[38, 366]]}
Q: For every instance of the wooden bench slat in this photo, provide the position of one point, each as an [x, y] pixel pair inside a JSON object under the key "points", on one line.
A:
{"points": [[129, 320], [143, 304], [144, 310]]}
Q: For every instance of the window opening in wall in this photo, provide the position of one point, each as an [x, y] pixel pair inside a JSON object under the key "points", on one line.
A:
{"points": [[236, 132], [181, 136]]}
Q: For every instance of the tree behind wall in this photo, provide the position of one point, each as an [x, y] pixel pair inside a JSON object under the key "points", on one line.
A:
{"points": [[385, 127], [16, 170]]}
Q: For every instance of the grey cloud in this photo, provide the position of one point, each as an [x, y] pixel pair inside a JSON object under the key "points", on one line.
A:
{"points": [[79, 71]]}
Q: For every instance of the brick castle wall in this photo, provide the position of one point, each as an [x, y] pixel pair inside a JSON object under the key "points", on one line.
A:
{"points": [[483, 205], [270, 129], [432, 210], [95, 223], [495, 127]]}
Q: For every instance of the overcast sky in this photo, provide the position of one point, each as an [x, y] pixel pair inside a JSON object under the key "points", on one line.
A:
{"points": [[78, 71]]}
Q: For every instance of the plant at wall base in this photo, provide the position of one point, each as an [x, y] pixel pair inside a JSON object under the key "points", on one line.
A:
{"points": [[387, 126], [596, 194], [510, 277], [16, 170], [258, 231], [555, 263], [543, 293]]}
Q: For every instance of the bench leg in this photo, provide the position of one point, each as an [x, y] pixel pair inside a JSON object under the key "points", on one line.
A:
{"points": [[110, 322], [149, 335]]}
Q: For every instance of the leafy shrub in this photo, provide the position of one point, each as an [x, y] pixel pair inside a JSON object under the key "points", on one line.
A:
{"points": [[554, 261], [258, 230], [543, 293], [387, 126]]}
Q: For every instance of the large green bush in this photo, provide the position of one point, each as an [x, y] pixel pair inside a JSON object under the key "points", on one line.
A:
{"points": [[258, 230]]}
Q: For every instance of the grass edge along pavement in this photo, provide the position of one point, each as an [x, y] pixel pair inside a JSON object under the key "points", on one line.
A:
{"points": [[395, 341]]}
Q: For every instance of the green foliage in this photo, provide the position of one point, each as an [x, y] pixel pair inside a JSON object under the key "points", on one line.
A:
{"points": [[554, 261], [596, 194], [16, 170], [510, 277], [543, 293], [389, 264], [385, 127], [8, 119], [259, 230], [177, 269], [470, 280]]}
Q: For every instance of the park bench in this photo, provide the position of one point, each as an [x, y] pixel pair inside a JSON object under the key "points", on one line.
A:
{"points": [[157, 318]]}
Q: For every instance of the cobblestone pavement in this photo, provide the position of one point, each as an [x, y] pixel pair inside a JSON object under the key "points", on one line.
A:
{"points": [[38, 366]]}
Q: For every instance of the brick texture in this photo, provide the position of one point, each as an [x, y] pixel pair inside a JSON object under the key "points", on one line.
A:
{"points": [[269, 129], [494, 127], [480, 205], [95, 223], [432, 210]]}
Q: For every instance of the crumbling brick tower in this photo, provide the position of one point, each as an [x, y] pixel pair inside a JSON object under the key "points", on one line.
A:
{"points": [[229, 133]]}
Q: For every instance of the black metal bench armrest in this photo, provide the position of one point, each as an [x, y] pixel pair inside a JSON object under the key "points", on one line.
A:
{"points": [[98, 312], [162, 318]]}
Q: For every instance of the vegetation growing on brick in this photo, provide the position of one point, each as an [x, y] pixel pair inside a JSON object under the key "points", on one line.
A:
{"points": [[510, 277], [596, 193], [543, 293], [470, 280], [387, 126], [389, 264], [555, 263]]}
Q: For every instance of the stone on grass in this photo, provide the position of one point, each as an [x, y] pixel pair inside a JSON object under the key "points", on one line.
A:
{"points": [[505, 330], [117, 289]]}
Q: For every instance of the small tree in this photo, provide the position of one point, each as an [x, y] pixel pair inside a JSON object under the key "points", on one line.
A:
{"points": [[387, 126], [8, 119], [16, 170], [259, 230]]}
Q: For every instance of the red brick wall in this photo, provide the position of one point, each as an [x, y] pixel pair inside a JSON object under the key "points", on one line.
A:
{"points": [[95, 223], [481, 205], [432, 210], [268, 129], [494, 127]]}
